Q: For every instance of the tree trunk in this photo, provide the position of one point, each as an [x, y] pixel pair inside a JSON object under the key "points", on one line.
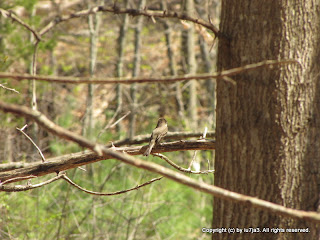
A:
{"points": [[94, 26], [121, 47], [136, 72], [192, 67], [268, 124]]}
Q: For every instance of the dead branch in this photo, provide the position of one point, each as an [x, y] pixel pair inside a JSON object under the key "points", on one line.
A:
{"points": [[170, 135], [17, 179], [30, 139], [73, 160], [181, 168], [11, 15], [74, 157], [124, 80], [10, 89], [20, 188], [112, 193], [132, 12], [152, 167]]}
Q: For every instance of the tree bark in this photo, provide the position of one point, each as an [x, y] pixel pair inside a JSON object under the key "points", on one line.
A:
{"points": [[267, 124], [192, 67], [94, 26], [136, 72], [121, 49]]}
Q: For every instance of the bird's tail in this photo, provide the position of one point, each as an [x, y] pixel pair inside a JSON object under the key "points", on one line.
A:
{"points": [[149, 149]]}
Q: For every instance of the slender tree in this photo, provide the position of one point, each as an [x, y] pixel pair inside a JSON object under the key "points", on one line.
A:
{"points": [[192, 66], [136, 71], [121, 47], [94, 26]]}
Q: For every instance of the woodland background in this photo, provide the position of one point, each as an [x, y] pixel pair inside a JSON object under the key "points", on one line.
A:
{"points": [[150, 59], [107, 45]]}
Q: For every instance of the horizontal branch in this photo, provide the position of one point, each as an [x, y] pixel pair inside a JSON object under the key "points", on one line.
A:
{"points": [[73, 160], [20, 188], [75, 157], [122, 80], [111, 193], [170, 135], [153, 167], [133, 12]]}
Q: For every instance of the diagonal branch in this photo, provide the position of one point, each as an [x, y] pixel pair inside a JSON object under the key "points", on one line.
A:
{"points": [[181, 168], [152, 167], [7, 88], [123, 80], [34, 144], [11, 15]]}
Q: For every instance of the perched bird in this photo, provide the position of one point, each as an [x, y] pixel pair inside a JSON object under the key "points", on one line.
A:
{"points": [[157, 134]]}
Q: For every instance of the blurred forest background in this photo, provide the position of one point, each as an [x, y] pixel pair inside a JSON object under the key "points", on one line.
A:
{"points": [[107, 45]]}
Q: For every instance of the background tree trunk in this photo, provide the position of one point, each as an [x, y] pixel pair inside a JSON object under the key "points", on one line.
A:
{"points": [[94, 26], [192, 67], [136, 72], [121, 49], [267, 125]]}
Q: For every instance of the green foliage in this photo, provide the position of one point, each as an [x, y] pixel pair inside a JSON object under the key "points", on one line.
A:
{"points": [[29, 5]]}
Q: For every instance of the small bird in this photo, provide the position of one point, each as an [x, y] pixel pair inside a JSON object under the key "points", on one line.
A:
{"points": [[157, 134]]}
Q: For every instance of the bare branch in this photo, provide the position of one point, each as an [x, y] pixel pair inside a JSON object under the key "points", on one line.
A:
{"points": [[113, 193], [16, 179], [180, 168], [133, 12], [152, 167], [11, 15], [30, 139], [123, 80], [20, 188], [91, 157], [10, 89], [69, 161], [170, 135], [110, 125]]}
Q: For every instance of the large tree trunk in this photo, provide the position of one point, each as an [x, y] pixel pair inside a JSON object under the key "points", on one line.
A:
{"points": [[268, 124]]}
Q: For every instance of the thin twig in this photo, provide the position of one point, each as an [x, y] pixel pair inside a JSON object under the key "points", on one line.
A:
{"points": [[120, 119], [10, 89], [20, 188], [205, 131], [16, 179], [109, 194], [123, 80], [110, 125], [193, 158], [34, 144], [11, 15], [180, 168]]}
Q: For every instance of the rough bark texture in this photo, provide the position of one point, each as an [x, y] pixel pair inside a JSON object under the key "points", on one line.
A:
{"points": [[268, 124]]}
